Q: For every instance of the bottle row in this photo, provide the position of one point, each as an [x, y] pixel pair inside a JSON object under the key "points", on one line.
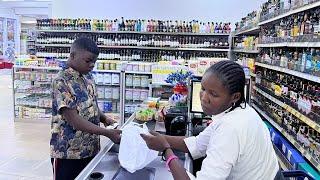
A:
{"points": [[302, 60], [130, 54], [301, 27], [271, 9], [138, 40], [139, 25], [298, 93], [307, 137], [246, 42], [248, 22]]}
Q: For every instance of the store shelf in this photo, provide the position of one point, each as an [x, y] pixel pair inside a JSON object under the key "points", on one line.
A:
{"points": [[136, 32], [301, 9], [304, 152], [290, 44], [107, 71], [33, 106], [117, 85], [291, 72], [143, 47], [53, 45], [166, 48], [138, 72], [161, 84], [45, 120], [38, 67], [291, 110], [20, 92], [246, 51], [251, 31]]}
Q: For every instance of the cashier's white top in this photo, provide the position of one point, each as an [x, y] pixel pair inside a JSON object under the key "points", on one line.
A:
{"points": [[237, 145]]}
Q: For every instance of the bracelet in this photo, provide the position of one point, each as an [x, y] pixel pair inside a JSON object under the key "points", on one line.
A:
{"points": [[172, 157], [164, 153]]}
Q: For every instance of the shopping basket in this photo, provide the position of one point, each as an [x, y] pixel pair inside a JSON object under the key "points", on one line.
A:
{"points": [[296, 175]]}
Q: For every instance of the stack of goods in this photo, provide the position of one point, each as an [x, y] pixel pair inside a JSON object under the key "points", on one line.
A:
{"points": [[306, 60], [246, 43], [300, 27], [140, 25], [250, 21], [271, 9]]}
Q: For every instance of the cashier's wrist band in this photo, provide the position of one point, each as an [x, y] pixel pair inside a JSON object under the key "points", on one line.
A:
{"points": [[170, 158], [164, 153]]}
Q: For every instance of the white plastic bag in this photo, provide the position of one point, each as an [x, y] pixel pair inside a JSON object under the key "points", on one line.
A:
{"points": [[134, 153]]}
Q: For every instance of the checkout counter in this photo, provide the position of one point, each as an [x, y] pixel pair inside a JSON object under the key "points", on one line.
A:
{"points": [[106, 165]]}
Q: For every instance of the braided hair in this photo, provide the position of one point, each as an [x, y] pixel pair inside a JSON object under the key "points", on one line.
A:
{"points": [[232, 77]]}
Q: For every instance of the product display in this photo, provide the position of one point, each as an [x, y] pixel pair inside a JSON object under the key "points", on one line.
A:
{"points": [[246, 43], [139, 25], [280, 45], [272, 9], [250, 21], [298, 93], [306, 60], [300, 27], [149, 40], [306, 137]]}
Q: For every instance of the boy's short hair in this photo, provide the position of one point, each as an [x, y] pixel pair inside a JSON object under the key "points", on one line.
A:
{"points": [[84, 43]]}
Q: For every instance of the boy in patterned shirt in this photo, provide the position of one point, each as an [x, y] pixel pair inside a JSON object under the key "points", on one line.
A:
{"points": [[76, 116]]}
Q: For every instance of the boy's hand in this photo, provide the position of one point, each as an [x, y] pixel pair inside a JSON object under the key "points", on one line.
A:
{"points": [[114, 135]]}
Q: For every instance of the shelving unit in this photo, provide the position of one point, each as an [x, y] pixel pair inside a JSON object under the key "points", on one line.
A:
{"points": [[142, 47], [305, 153], [254, 30], [291, 12], [289, 71], [285, 43], [291, 110], [135, 32], [291, 44], [146, 90], [246, 51]]}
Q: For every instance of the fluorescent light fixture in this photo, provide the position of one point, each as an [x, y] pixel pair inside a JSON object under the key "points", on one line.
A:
{"points": [[12, 0]]}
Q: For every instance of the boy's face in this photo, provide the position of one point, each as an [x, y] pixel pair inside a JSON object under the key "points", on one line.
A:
{"points": [[83, 61]]}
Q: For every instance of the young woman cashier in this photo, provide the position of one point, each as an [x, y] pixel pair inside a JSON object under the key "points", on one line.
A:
{"points": [[236, 145]]}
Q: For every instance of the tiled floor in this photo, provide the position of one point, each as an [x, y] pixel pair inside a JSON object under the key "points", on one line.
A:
{"points": [[24, 146]]}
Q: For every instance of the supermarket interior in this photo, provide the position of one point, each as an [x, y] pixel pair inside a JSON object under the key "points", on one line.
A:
{"points": [[159, 90]]}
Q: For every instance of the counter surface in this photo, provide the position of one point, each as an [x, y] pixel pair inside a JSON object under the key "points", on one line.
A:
{"points": [[107, 163]]}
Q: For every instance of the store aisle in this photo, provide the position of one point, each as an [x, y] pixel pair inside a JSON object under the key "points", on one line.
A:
{"points": [[24, 146]]}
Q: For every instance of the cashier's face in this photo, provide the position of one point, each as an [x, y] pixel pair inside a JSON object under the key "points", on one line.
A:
{"points": [[83, 61], [215, 97]]}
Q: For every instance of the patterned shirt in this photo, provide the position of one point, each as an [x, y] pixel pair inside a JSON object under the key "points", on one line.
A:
{"points": [[75, 91]]}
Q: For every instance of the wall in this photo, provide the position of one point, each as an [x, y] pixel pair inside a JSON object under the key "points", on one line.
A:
{"points": [[204, 10]]}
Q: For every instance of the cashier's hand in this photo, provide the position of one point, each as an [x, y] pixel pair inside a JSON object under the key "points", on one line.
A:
{"points": [[114, 135], [156, 141]]}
